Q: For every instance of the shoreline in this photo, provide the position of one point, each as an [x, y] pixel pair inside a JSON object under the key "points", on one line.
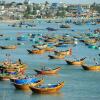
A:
{"points": [[17, 21], [10, 21], [14, 21]]}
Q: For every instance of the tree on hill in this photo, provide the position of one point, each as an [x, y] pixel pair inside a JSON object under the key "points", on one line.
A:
{"points": [[95, 7]]}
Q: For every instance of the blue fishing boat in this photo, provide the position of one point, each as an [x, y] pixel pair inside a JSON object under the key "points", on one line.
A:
{"points": [[25, 80], [24, 84]]}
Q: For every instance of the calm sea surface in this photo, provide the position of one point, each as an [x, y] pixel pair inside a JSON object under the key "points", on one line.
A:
{"points": [[79, 84]]}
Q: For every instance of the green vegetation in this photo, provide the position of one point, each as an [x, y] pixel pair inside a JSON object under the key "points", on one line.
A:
{"points": [[95, 7]]}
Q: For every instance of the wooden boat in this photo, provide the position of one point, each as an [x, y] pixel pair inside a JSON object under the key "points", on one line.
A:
{"points": [[50, 88], [4, 78], [8, 47], [63, 45], [20, 43], [78, 23], [27, 85], [13, 78], [9, 67], [69, 42], [25, 80], [51, 40], [49, 49], [67, 52], [92, 46], [1, 35], [58, 44], [80, 62], [56, 56], [39, 51], [64, 26], [51, 29], [91, 68], [11, 71], [40, 46], [90, 41], [49, 71]]}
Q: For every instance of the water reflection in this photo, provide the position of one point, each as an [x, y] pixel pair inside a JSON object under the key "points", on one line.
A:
{"points": [[51, 94], [54, 96]]}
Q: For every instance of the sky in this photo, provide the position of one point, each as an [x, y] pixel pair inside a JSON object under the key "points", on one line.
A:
{"points": [[65, 1]]}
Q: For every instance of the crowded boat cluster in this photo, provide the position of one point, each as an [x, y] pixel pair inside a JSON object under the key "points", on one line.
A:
{"points": [[54, 47]]}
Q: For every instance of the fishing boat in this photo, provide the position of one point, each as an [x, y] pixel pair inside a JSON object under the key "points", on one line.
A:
{"points": [[13, 78], [49, 88], [78, 23], [64, 26], [51, 29], [90, 41], [1, 35], [58, 44], [24, 84], [11, 71], [49, 71], [67, 52], [56, 56], [91, 68], [62, 45], [13, 68], [40, 46], [78, 62], [21, 43], [39, 51], [54, 40], [8, 47], [93, 46], [49, 49], [4, 77]]}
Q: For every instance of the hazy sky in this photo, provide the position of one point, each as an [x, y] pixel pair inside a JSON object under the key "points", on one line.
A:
{"points": [[65, 1]]}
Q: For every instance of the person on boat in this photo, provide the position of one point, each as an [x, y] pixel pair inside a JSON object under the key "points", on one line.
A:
{"points": [[70, 50], [19, 61], [82, 58]]}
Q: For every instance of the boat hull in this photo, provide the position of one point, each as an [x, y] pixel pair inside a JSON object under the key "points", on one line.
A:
{"points": [[56, 57], [26, 86], [44, 72], [91, 68], [74, 62], [36, 51], [47, 90]]}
